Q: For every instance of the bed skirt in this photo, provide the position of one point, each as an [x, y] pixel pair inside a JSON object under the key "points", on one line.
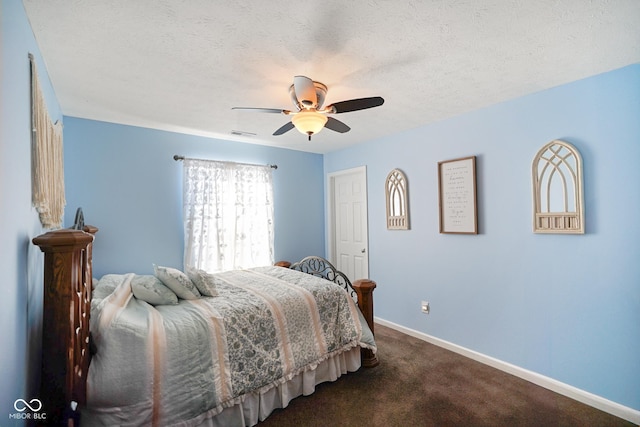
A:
{"points": [[256, 406]]}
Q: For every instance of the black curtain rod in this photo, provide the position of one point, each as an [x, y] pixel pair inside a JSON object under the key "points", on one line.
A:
{"points": [[177, 157]]}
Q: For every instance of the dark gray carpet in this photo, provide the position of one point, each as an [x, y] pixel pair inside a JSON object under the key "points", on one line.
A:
{"points": [[420, 384]]}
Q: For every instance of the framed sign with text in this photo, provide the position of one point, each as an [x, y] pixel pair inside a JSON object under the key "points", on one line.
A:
{"points": [[457, 196]]}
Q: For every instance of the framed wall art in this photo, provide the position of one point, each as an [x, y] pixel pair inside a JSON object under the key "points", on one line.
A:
{"points": [[457, 196]]}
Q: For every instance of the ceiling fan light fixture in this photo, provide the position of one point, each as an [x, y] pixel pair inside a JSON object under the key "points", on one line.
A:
{"points": [[310, 118], [309, 122]]}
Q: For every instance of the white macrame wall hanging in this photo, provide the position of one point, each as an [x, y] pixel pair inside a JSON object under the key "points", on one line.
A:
{"points": [[47, 192]]}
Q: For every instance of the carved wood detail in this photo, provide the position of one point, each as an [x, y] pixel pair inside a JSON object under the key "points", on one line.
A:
{"points": [[65, 322]]}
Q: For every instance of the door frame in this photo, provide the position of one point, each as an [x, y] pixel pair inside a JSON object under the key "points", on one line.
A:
{"points": [[331, 212]]}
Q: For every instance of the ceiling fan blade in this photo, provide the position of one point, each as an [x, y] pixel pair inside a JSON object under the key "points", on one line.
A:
{"points": [[305, 91], [355, 104], [283, 129], [336, 125], [262, 110]]}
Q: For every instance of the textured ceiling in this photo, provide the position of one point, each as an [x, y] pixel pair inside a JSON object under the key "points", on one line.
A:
{"points": [[181, 65]]}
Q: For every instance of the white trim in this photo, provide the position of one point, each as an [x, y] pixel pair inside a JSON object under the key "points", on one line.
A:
{"points": [[613, 408]]}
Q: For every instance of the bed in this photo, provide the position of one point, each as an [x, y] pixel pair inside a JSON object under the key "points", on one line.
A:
{"points": [[114, 355]]}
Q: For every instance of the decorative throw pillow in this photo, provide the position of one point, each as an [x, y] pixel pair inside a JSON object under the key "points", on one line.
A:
{"points": [[204, 281], [152, 290], [177, 281]]}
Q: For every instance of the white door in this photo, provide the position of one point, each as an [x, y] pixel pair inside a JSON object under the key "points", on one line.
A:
{"points": [[349, 238]]}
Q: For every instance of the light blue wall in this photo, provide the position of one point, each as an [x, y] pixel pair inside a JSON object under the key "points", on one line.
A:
{"points": [[564, 306], [567, 307], [129, 186], [20, 262]]}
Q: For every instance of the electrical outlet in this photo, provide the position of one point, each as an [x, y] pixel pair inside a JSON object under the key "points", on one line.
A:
{"points": [[424, 306]]}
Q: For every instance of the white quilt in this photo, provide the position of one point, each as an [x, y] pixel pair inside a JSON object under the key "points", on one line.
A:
{"points": [[167, 365]]}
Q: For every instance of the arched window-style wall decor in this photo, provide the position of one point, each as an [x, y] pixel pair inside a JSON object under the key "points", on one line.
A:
{"points": [[558, 205], [396, 192]]}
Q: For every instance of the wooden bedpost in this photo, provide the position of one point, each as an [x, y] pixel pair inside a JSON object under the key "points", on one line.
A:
{"points": [[364, 288], [285, 264], [65, 322]]}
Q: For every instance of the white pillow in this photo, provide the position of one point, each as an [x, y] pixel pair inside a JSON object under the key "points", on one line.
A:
{"points": [[204, 281], [152, 290], [177, 281]]}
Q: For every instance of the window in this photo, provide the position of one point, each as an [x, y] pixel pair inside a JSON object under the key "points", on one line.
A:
{"points": [[228, 215]]}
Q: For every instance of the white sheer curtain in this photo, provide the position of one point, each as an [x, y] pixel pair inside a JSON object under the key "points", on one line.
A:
{"points": [[228, 215]]}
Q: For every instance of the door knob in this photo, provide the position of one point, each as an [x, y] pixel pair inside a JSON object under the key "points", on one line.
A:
{"points": [[363, 250]]}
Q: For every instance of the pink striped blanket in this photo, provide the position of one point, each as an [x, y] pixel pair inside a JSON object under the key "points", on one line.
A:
{"points": [[169, 364]]}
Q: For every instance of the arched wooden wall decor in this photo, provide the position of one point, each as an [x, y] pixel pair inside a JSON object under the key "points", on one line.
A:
{"points": [[558, 205], [396, 193]]}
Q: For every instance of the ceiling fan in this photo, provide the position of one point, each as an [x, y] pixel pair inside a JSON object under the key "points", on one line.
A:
{"points": [[310, 118]]}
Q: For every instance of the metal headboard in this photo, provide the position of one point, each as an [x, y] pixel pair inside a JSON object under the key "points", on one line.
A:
{"points": [[78, 223], [320, 267]]}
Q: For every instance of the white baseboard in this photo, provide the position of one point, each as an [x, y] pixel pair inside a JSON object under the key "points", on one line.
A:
{"points": [[582, 396]]}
